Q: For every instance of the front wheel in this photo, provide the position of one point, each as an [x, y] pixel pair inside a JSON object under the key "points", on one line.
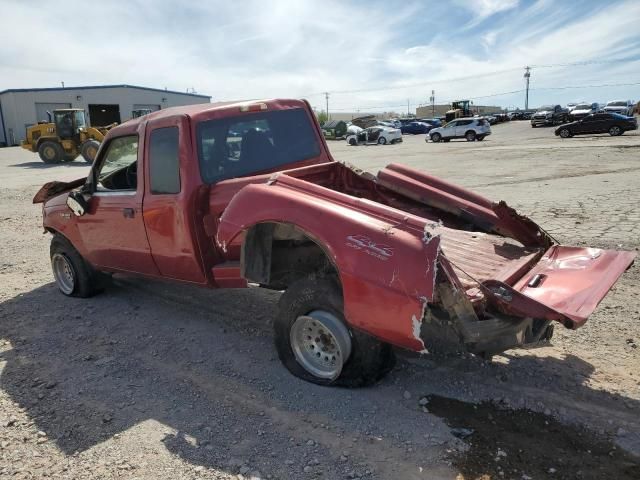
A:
{"points": [[315, 343], [74, 277], [615, 131], [565, 133], [353, 142], [89, 150], [436, 137], [382, 141], [470, 136]]}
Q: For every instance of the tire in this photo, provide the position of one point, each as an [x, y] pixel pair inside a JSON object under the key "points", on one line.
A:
{"points": [[615, 131], [565, 133], [470, 136], [382, 141], [51, 152], [436, 137], [353, 142], [320, 299], [74, 277], [533, 125], [89, 150]]}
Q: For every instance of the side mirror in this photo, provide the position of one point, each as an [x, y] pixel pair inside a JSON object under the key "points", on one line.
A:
{"points": [[77, 204]]}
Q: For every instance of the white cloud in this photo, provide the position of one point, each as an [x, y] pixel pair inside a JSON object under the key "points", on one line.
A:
{"points": [[296, 48]]}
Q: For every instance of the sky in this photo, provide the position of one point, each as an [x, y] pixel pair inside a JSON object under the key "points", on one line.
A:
{"points": [[373, 55]]}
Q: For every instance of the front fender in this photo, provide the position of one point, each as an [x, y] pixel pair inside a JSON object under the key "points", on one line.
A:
{"points": [[386, 268]]}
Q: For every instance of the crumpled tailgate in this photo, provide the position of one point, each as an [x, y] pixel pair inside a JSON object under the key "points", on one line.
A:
{"points": [[573, 280]]}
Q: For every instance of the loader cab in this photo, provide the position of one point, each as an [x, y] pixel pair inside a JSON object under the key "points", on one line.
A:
{"points": [[68, 122]]}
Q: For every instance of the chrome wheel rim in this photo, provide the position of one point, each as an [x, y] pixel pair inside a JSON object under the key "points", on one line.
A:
{"points": [[63, 273], [615, 130], [564, 133], [321, 344]]}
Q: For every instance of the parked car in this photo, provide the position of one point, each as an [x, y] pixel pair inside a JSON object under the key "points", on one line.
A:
{"points": [[582, 110], [549, 115], [353, 130], [376, 135], [416, 128], [572, 105], [469, 128], [364, 260], [623, 107], [431, 121], [612, 123]]}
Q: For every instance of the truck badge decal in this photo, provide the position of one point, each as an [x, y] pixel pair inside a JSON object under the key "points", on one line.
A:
{"points": [[364, 243]]}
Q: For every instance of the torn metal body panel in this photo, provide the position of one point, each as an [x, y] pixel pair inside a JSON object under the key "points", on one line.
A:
{"points": [[424, 263]]}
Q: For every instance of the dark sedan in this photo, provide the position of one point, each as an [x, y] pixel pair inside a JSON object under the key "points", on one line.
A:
{"points": [[416, 128], [611, 123]]}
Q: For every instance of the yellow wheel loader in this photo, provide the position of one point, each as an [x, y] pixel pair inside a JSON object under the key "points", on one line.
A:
{"points": [[64, 137], [459, 109]]}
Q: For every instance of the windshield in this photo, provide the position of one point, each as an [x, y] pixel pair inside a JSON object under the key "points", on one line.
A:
{"points": [[250, 144], [583, 106], [617, 104], [79, 115], [545, 107]]}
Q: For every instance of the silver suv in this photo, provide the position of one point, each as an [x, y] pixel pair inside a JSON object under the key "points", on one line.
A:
{"points": [[469, 128]]}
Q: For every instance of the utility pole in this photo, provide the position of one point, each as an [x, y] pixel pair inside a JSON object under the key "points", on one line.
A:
{"points": [[527, 74], [407, 107], [326, 97], [433, 103]]}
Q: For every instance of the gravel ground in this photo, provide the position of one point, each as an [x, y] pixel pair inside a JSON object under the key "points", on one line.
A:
{"points": [[157, 380]]}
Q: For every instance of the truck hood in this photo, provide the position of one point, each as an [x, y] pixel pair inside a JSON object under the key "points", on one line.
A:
{"points": [[52, 189]]}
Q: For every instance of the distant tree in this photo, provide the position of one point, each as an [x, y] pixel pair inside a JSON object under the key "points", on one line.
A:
{"points": [[322, 117]]}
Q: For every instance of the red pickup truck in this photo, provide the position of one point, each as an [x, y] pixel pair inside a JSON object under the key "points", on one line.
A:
{"points": [[238, 194]]}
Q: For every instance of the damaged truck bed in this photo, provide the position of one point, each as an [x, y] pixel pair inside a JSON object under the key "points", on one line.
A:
{"points": [[366, 262]]}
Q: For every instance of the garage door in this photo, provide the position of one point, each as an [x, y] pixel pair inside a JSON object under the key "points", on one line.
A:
{"points": [[42, 108]]}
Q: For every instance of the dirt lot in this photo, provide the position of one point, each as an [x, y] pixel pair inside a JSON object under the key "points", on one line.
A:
{"points": [[153, 380]]}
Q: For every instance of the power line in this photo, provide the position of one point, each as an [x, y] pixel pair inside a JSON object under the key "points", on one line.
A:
{"points": [[472, 77]]}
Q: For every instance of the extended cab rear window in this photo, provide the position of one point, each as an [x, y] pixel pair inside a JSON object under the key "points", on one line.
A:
{"points": [[247, 144]]}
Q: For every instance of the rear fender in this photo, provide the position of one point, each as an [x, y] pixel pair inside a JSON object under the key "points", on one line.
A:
{"points": [[387, 273]]}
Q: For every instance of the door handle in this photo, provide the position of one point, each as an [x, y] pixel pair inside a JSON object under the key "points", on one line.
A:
{"points": [[128, 212]]}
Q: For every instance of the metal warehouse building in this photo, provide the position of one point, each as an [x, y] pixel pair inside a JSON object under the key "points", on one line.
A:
{"points": [[105, 104]]}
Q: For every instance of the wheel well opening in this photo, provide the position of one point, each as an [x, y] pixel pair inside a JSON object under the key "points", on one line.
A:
{"points": [[275, 255]]}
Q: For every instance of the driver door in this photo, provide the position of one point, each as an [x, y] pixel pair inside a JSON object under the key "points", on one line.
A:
{"points": [[112, 229]]}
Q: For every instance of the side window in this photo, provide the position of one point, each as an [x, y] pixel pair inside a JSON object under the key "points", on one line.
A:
{"points": [[462, 123], [119, 168], [164, 162], [451, 124]]}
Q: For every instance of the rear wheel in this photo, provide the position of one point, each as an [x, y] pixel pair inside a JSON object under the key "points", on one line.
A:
{"points": [[565, 133], [436, 137], [615, 131], [315, 343], [51, 152], [89, 150], [470, 136], [352, 141], [382, 141], [74, 277]]}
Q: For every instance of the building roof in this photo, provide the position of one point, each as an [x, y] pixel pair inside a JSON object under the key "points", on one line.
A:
{"points": [[91, 87]]}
